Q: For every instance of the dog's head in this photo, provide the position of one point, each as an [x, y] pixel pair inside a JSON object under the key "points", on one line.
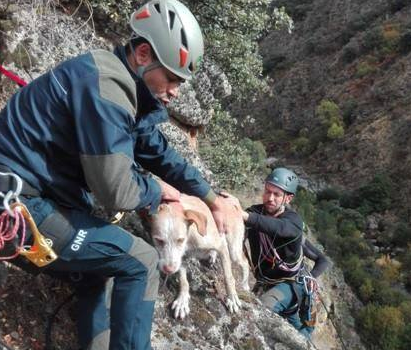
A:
{"points": [[170, 232]]}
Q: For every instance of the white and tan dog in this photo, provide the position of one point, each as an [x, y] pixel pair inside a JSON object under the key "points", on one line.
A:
{"points": [[187, 225]]}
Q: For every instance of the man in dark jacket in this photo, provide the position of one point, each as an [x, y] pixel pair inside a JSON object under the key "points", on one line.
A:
{"points": [[88, 126], [275, 236]]}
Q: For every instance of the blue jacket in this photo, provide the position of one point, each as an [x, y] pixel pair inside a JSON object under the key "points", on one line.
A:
{"points": [[90, 125]]}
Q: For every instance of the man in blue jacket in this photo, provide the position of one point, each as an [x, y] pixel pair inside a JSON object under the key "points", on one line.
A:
{"points": [[88, 126]]}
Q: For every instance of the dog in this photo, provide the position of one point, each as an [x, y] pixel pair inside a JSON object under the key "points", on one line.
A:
{"points": [[188, 225]]}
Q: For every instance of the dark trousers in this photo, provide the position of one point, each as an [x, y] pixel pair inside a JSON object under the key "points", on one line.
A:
{"points": [[120, 278]]}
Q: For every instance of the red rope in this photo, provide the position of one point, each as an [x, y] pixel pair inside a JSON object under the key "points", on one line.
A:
{"points": [[12, 76], [9, 229]]}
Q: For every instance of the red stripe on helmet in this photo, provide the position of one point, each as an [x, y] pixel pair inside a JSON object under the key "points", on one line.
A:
{"points": [[183, 56], [145, 13]]}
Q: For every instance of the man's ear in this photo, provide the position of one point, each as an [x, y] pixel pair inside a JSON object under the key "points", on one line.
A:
{"points": [[288, 198], [143, 54], [197, 218]]}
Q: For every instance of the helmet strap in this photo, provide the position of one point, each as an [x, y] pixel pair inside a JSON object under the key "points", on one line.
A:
{"points": [[141, 70]]}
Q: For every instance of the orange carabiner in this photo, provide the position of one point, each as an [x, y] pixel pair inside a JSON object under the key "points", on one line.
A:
{"points": [[40, 253]]}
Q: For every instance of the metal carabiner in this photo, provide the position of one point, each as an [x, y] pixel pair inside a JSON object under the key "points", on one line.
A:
{"points": [[10, 195]]}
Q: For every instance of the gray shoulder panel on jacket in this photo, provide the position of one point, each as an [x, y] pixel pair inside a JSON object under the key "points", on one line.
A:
{"points": [[110, 178], [115, 82]]}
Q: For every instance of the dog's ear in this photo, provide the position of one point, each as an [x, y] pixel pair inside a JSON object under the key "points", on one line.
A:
{"points": [[197, 218]]}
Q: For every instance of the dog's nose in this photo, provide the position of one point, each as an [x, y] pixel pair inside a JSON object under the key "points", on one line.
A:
{"points": [[168, 269]]}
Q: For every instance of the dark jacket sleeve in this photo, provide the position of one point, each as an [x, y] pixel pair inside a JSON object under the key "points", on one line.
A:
{"points": [[104, 133], [153, 152], [289, 226], [321, 263]]}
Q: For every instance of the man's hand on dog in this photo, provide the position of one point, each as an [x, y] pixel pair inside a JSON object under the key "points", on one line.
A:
{"points": [[168, 192], [223, 210]]}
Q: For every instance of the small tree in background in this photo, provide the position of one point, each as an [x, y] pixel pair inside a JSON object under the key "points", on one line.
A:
{"points": [[331, 121]]}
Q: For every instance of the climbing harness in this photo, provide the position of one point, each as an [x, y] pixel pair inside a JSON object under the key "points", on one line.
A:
{"points": [[270, 254], [13, 229], [117, 218], [309, 303], [20, 82]]}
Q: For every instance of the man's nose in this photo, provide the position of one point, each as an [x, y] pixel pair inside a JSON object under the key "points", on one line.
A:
{"points": [[173, 90]]}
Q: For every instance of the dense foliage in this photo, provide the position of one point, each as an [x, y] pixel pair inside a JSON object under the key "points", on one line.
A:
{"points": [[234, 162], [231, 30], [382, 283]]}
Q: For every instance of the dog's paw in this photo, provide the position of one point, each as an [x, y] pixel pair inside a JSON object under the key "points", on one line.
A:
{"points": [[180, 306], [233, 303], [245, 287], [212, 257]]}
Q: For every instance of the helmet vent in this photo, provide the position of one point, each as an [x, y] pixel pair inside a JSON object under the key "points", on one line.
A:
{"points": [[157, 7], [172, 16], [184, 38]]}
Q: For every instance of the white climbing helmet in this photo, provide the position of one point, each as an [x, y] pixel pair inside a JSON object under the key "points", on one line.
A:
{"points": [[174, 34]]}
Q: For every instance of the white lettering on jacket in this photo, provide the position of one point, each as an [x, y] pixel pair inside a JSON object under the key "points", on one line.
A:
{"points": [[78, 240]]}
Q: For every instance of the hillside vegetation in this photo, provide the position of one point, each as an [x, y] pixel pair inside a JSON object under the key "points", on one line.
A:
{"points": [[340, 108]]}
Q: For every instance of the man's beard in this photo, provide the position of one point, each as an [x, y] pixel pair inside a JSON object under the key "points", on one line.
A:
{"points": [[271, 209]]}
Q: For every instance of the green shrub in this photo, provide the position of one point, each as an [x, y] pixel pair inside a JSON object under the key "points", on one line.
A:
{"points": [[257, 150], [325, 221], [386, 294], [381, 326], [350, 52], [365, 68], [391, 35], [354, 272], [397, 5], [402, 235], [354, 216], [301, 146], [347, 228], [327, 194], [405, 259], [377, 196], [348, 109], [330, 118], [404, 44], [355, 244], [405, 308], [234, 162], [305, 204], [366, 290], [350, 200], [373, 39], [335, 131], [405, 338]]}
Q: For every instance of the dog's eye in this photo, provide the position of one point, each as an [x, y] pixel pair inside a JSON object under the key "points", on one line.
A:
{"points": [[159, 241], [180, 241]]}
